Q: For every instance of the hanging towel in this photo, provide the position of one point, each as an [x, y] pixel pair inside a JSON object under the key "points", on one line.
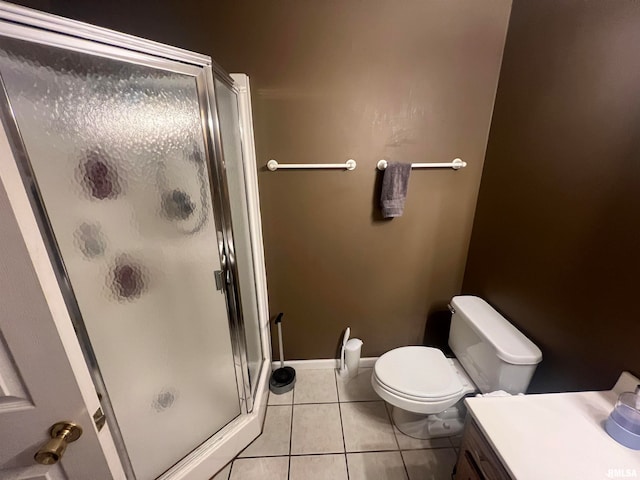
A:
{"points": [[394, 189]]}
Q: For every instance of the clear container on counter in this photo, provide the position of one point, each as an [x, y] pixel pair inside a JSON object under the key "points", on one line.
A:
{"points": [[623, 423]]}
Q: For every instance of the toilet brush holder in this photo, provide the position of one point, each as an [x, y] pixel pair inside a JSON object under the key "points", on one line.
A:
{"points": [[282, 379]]}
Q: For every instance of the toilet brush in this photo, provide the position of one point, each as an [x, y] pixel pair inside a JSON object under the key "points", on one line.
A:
{"points": [[284, 378]]}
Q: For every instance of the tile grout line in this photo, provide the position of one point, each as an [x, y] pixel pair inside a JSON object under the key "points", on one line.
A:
{"points": [[340, 401], [344, 443], [320, 454], [293, 402], [395, 436]]}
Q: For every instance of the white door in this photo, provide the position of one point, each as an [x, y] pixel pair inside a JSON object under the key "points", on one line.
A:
{"points": [[38, 385]]}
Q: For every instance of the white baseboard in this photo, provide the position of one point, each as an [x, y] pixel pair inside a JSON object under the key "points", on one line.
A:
{"points": [[320, 363]]}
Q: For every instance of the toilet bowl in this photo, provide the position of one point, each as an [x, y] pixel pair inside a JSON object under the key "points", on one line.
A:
{"points": [[427, 389], [426, 401], [401, 379]]}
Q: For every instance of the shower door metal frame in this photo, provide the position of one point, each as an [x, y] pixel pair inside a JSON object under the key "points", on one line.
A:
{"points": [[30, 25]]}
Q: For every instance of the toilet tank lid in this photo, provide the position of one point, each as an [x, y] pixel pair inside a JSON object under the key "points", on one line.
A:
{"points": [[510, 344]]}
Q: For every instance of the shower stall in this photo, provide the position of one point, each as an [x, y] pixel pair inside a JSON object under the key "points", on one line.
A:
{"points": [[137, 160]]}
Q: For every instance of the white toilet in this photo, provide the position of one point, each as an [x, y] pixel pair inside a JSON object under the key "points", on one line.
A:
{"points": [[426, 389]]}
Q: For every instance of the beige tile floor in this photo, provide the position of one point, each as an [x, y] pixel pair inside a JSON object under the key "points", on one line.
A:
{"points": [[329, 428]]}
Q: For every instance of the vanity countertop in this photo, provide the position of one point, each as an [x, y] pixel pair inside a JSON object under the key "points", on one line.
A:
{"points": [[557, 435]]}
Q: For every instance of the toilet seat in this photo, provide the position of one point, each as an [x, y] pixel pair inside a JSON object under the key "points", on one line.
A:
{"points": [[416, 398], [417, 379], [419, 372]]}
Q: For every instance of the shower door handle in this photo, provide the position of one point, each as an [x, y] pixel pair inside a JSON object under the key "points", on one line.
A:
{"points": [[220, 280]]}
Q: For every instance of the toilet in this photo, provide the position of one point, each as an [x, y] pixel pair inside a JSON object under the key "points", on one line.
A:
{"points": [[427, 389]]}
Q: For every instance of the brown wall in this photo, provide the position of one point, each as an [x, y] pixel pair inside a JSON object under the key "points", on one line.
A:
{"points": [[556, 237], [338, 79]]}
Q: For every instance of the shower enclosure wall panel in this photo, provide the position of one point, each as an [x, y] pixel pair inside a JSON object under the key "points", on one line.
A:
{"points": [[227, 104]]}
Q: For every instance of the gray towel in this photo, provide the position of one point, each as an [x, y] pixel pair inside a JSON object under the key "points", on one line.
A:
{"points": [[394, 189]]}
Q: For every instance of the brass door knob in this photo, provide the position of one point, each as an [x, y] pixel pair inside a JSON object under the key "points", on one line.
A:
{"points": [[62, 433]]}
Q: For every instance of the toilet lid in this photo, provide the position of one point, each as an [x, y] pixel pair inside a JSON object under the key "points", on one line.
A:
{"points": [[422, 372]]}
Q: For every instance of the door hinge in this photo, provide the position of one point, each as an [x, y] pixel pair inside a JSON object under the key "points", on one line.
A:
{"points": [[99, 418]]}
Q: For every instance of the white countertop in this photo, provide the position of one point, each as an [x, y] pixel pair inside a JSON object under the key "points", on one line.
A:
{"points": [[558, 435]]}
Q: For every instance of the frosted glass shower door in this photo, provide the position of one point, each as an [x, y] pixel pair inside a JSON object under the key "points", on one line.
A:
{"points": [[117, 152]]}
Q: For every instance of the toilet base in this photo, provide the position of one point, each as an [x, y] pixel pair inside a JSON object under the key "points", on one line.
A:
{"points": [[444, 424]]}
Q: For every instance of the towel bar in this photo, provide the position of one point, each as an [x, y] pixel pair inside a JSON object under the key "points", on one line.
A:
{"points": [[457, 164], [273, 165]]}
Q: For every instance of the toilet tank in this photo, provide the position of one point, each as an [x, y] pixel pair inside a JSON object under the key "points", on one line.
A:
{"points": [[495, 354]]}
